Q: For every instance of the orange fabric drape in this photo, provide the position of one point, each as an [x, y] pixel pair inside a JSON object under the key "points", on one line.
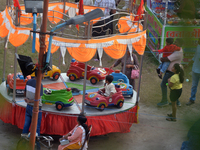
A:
{"points": [[140, 45], [81, 53], [55, 15], [3, 31], [1, 19], [116, 51], [54, 48], [18, 37], [24, 20]]}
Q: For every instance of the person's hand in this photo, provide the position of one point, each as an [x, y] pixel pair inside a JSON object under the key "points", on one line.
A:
{"points": [[60, 139], [111, 66], [27, 100], [129, 66], [153, 50]]}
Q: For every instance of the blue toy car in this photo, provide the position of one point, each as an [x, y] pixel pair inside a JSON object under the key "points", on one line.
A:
{"points": [[122, 81]]}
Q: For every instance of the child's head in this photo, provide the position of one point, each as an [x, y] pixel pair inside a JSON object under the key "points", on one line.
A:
{"points": [[169, 41], [178, 42], [177, 69], [109, 78]]}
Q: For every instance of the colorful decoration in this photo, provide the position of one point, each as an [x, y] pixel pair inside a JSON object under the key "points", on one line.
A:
{"points": [[101, 102], [20, 83], [76, 71], [62, 98]]}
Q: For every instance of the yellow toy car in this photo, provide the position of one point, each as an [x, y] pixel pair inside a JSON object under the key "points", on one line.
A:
{"points": [[54, 73]]}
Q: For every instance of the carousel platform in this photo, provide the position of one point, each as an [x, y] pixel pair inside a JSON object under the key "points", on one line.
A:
{"points": [[56, 122]]}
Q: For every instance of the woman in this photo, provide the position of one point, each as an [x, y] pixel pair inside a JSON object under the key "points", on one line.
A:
{"points": [[76, 136], [175, 85], [129, 66]]}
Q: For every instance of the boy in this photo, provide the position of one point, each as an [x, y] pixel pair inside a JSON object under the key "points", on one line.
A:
{"points": [[109, 87], [167, 50]]}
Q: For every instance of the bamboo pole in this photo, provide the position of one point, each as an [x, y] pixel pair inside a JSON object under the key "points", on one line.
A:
{"points": [[39, 76]]}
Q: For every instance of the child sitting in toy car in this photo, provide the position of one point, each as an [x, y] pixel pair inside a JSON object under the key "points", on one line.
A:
{"points": [[109, 88]]}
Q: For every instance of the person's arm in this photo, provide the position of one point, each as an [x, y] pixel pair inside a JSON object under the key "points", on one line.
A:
{"points": [[77, 134], [111, 94], [116, 63], [28, 100], [164, 59], [171, 81]]}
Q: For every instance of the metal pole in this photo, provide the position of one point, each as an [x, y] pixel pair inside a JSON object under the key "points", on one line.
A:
{"points": [[39, 76], [4, 59], [125, 58], [85, 74], [15, 60], [63, 8], [141, 62]]}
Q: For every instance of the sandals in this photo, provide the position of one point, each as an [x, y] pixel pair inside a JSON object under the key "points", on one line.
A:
{"points": [[171, 119], [169, 115]]}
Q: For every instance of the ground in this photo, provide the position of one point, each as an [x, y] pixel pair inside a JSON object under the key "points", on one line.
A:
{"points": [[152, 132]]}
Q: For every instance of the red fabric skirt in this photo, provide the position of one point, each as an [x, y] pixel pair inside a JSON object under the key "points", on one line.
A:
{"points": [[59, 124]]}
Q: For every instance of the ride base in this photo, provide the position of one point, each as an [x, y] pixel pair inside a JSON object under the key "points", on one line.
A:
{"points": [[56, 122]]}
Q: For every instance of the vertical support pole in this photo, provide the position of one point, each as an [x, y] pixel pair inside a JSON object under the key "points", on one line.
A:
{"points": [[63, 8], [85, 73], [130, 6], [4, 59], [15, 60], [141, 63], [125, 58], [39, 76]]}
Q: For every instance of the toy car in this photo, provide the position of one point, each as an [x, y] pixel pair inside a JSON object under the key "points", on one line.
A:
{"points": [[100, 101], [122, 80], [20, 83], [54, 73], [62, 98], [94, 74]]}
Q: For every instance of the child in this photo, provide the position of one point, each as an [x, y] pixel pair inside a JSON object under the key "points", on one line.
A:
{"points": [[167, 50], [175, 85], [109, 87]]}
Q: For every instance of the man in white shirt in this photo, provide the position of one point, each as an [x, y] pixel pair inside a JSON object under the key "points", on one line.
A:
{"points": [[175, 57]]}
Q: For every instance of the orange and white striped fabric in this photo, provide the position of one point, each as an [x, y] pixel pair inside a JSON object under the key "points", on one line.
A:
{"points": [[79, 49]]}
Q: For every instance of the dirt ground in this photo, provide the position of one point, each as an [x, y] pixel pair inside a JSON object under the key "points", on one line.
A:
{"points": [[152, 132]]}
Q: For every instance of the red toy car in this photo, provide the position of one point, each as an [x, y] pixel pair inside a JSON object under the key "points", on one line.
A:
{"points": [[20, 83], [100, 101], [77, 69]]}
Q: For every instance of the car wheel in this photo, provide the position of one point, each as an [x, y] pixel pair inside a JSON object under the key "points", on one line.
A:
{"points": [[56, 76], [101, 107], [59, 106], [120, 104], [93, 80], [131, 95], [72, 77]]}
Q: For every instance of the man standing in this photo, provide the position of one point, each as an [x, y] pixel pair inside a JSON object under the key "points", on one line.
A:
{"points": [[106, 21], [195, 75], [175, 57], [30, 90], [110, 7]]}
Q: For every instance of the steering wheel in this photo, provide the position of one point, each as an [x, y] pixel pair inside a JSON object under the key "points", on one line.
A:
{"points": [[92, 68], [120, 80]]}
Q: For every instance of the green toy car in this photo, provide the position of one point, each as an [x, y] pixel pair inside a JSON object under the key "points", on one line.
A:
{"points": [[62, 98]]}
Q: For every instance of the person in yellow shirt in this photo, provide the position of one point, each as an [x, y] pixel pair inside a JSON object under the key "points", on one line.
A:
{"points": [[175, 85]]}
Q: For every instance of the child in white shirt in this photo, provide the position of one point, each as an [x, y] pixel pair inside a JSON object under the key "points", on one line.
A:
{"points": [[109, 87]]}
